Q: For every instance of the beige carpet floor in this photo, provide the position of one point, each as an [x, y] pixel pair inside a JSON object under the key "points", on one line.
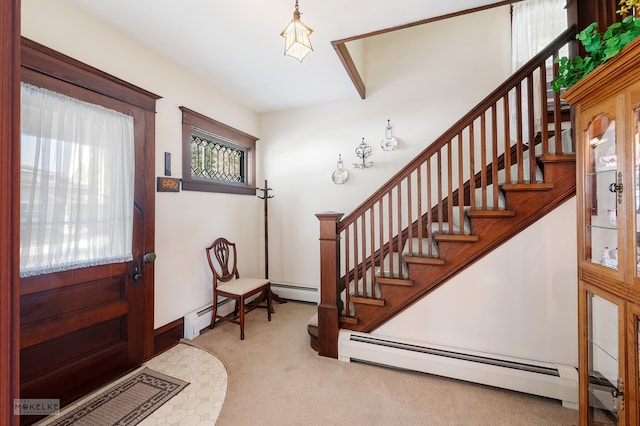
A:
{"points": [[275, 378]]}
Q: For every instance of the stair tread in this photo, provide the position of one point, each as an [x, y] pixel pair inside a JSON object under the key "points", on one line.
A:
{"points": [[424, 260], [491, 213], [367, 300], [394, 281], [462, 238], [348, 320], [545, 186]]}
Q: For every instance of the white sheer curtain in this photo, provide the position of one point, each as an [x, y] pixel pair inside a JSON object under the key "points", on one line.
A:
{"points": [[76, 183], [535, 23]]}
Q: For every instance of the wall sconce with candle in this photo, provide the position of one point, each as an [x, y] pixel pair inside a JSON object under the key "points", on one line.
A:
{"points": [[363, 151]]}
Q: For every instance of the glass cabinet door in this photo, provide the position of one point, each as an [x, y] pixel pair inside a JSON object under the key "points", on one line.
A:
{"points": [[603, 192], [634, 416], [632, 386], [605, 388]]}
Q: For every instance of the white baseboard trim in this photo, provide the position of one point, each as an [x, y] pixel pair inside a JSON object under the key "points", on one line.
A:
{"points": [[548, 380], [200, 319], [296, 292]]}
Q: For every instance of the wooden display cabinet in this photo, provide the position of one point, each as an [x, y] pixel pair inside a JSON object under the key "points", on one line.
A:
{"points": [[607, 132]]}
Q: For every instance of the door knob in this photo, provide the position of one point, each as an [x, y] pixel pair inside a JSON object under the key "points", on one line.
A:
{"points": [[149, 257]]}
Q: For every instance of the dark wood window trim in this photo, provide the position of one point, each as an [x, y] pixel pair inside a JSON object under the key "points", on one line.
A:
{"points": [[198, 123], [43, 60]]}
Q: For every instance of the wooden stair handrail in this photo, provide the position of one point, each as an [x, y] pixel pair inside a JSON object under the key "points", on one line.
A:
{"points": [[460, 168], [455, 129]]}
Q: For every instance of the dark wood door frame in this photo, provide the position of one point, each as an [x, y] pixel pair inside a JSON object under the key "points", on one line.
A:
{"points": [[9, 206], [118, 331], [10, 61]]}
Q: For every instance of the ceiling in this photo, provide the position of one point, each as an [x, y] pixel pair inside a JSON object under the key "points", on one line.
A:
{"points": [[236, 44]]}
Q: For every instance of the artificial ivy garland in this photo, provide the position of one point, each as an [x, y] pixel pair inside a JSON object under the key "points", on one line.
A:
{"points": [[598, 47]]}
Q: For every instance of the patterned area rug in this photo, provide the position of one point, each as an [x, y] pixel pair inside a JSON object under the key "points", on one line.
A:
{"points": [[126, 403]]}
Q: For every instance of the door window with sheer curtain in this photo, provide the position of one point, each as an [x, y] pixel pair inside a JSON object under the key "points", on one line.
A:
{"points": [[77, 176]]}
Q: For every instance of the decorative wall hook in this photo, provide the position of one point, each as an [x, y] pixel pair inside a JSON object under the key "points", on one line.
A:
{"points": [[362, 152]]}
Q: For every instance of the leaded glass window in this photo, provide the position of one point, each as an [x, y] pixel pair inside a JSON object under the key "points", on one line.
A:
{"points": [[214, 159]]}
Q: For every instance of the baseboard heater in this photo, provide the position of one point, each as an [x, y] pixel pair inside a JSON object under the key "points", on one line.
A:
{"points": [[543, 379], [199, 320], [296, 292]]}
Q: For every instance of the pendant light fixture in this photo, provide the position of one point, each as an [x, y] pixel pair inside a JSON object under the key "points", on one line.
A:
{"points": [[296, 37]]}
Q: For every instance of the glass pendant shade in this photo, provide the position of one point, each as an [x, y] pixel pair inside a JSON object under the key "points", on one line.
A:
{"points": [[296, 37]]}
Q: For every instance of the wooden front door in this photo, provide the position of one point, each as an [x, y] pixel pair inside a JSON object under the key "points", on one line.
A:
{"points": [[81, 328]]}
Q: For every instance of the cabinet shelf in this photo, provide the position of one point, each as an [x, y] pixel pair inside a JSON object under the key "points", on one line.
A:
{"points": [[611, 352], [608, 228], [602, 172]]}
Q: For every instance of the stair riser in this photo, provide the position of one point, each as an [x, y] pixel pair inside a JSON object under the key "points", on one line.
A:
{"points": [[555, 172], [525, 204]]}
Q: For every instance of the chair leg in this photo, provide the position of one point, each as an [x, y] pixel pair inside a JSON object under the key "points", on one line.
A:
{"points": [[269, 304], [241, 306], [215, 311]]}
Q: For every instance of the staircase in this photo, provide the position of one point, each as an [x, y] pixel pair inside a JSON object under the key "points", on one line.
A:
{"points": [[501, 167]]}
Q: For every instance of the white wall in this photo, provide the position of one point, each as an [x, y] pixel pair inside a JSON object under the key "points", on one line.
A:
{"points": [[518, 301], [186, 222], [423, 80]]}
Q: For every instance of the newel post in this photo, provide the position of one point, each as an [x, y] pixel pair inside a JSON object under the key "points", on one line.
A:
{"points": [[328, 311]]}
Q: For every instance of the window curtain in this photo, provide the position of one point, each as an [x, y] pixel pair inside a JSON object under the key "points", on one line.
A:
{"points": [[77, 176], [535, 24]]}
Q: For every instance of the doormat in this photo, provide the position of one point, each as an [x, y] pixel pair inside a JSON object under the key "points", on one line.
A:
{"points": [[126, 403]]}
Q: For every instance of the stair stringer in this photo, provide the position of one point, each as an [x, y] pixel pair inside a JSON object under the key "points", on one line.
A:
{"points": [[528, 205]]}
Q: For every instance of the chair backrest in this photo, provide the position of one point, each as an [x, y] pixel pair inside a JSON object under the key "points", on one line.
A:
{"points": [[225, 266]]}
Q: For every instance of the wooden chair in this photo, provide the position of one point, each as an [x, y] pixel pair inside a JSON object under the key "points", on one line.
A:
{"points": [[227, 283]]}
